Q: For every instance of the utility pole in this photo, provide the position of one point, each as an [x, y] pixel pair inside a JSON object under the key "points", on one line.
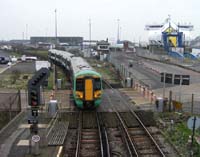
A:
{"points": [[90, 32], [56, 27], [180, 85], [170, 100], [192, 103], [164, 86], [120, 33], [54, 66], [22, 35], [26, 31], [118, 20]]}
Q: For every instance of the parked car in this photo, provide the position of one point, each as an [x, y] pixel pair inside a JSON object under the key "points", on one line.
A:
{"points": [[4, 60]]}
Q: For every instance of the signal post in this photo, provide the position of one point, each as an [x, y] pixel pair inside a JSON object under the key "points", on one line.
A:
{"points": [[34, 100]]}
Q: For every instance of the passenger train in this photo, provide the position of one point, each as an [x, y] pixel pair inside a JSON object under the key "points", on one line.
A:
{"points": [[86, 82]]}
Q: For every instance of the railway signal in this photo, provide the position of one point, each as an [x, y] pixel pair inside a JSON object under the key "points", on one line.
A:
{"points": [[34, 86], [34, 97]]}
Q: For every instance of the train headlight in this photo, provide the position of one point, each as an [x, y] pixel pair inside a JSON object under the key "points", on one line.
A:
{"points": [[97, 94], [79, 95]]}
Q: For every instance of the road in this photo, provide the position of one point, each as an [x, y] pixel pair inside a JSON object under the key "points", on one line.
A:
{"points": [[22, 67], [138, 70], [148, 71]]}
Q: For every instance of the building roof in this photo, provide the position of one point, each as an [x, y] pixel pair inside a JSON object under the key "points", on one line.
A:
{"points": [[102, 42]]}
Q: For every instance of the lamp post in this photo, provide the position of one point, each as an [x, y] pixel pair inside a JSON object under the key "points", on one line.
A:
{"points": [[118, 29], [56, 26], [26, 31], [54, 66], [90, 30]]}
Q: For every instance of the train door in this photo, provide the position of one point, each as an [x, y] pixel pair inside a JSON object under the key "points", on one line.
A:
{"points": [[88, 90]]}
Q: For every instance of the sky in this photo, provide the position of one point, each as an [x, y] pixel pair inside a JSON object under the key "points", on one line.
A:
{"points": [[24, 18]]}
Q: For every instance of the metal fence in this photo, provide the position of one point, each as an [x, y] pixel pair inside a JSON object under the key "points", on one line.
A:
{"points": [[10, 100], [62, 96], [189, 102]]}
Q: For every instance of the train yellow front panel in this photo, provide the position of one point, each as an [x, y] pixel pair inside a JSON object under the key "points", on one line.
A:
{"points": [[88, 89]]}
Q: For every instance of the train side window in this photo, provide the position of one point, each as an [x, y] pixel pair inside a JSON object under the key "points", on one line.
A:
{"points": [[97, 84], [79, 85]]}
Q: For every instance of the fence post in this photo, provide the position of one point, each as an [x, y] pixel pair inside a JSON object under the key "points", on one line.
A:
{"points": [[192, 105], [10, 108], [170, 100], [19, 100]]}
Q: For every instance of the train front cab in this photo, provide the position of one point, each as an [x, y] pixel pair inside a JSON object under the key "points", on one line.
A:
{"points": [[88, 91]]}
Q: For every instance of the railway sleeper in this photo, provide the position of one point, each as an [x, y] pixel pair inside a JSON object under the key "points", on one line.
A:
{"points": [[149, 153], [89, 149], [138, 133], [89, 141], [70, 153], [89, 133], [136, 130], [86, 153], [141, 139], [142, 147], [90, 146], [115, 135]]}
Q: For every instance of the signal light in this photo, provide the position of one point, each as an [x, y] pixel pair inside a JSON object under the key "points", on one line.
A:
{"points": [[34, 86], [34, 97]]}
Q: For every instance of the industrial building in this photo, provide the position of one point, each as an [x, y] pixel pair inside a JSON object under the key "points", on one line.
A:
{"points": [[71, 41]]}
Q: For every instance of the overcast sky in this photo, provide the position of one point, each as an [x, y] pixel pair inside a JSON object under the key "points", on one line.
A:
{"points": [[38, 16]]}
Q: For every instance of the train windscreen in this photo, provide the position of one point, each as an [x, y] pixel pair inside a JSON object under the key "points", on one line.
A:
{"points": [[97, 84], [79, 85]]}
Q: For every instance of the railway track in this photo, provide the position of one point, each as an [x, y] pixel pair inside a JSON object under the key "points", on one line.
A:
{"points": [[90, 142], [143, 144], [111, 134], [140, 142], [89, 139]]}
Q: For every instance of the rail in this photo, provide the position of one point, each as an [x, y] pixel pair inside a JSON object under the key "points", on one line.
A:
{"points": [[100, 135], [130, 142], [79, 135], [101, 138], [105, 149], [140, 122], [126, 137]]}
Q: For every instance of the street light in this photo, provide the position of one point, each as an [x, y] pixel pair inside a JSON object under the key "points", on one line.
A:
{"points": [[118, 20], [90, 28]]}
